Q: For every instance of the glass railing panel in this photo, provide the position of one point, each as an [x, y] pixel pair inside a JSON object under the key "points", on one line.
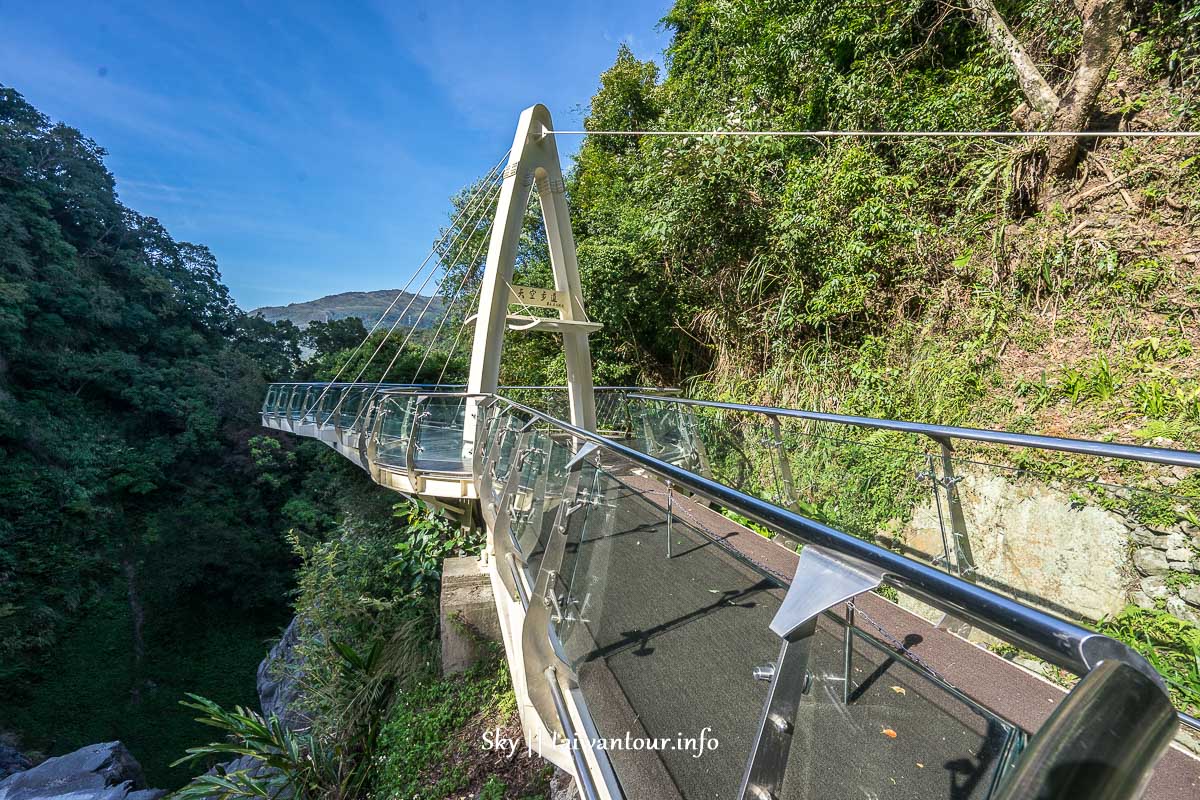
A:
{"points": [[283, 396], [296, 402], [329, 397], [612, 414], [440, 434], [862, 482], [533, 495], [503, 450], [308, 404], [547, 496], [351, 406], [664, 647], [368, 409], [269, 402], [897, 733], [394, 430], [665, 431]]}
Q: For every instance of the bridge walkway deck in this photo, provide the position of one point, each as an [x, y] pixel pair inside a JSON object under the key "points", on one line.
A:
{"points": [[654, 653]]}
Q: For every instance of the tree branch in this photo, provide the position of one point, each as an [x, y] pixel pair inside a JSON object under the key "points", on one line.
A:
{"points": [[1033, 84]]}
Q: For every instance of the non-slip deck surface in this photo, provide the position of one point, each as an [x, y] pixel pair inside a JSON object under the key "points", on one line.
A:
{"points": [[665, 648]]}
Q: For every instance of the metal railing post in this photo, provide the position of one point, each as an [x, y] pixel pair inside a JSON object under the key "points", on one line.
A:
{"points": [[822, 580], [964, 559], [785, 466]]}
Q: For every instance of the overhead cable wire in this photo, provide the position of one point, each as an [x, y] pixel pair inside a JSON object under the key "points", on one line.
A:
{"points": [[468, 208], [490, 176], [832, 134]]}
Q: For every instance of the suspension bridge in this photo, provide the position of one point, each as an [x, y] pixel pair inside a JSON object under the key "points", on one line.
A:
{"points": [[660, 644]]}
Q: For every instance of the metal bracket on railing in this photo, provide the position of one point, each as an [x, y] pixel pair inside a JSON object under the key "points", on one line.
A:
{"points": [[514, 571], [410, 460], [502, 539], [785, 465], [822, 580], [670, 513], [540, 648]]}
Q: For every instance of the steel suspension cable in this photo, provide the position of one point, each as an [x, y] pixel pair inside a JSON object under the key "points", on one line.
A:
{"points": [[492, 193], [467, 275], [462, 327], [489, 177], [476, 205], [457, 256]]}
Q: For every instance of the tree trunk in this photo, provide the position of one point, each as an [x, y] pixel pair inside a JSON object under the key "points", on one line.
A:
{"points": [[1103, 29], [1037, 91]]}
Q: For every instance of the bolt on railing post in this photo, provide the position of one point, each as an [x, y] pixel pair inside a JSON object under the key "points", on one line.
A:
{"points": [[931, 475]]}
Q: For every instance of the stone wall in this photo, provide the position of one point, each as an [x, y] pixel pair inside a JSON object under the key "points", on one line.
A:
{"points": [[1037, 542], [1164, 559]]}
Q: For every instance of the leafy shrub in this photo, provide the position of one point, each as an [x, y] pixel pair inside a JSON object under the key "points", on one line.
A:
{"points": [[1171, 645], [287, 764]]}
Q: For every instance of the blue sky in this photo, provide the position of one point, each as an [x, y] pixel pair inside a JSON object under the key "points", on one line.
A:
{"points": [[312, 146]]}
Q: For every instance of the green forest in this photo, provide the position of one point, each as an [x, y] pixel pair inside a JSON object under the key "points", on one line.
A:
{"points": [[155, 539]]}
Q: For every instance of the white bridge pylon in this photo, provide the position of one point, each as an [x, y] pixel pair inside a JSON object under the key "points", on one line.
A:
{"points": [[532, 161]]}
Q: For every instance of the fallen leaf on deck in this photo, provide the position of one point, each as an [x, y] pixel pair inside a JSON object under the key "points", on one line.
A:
{"points": [[899, 690]]}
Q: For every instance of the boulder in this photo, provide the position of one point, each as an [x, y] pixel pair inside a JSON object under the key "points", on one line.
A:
{"points": [[1176, 608], [1181, 555], [97, 772], [1170, 541], [1138, 598], [1154, 586]]}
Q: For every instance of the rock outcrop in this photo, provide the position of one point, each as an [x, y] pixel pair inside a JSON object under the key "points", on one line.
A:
{"points": [[12, 761], [279, 680], [97, 772]]}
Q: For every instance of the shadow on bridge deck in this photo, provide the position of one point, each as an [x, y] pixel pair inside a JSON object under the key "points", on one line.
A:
{"points": [[944, 745], [667, 648]]}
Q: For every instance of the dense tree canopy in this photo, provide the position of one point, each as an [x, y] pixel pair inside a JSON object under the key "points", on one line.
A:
{"points": [[134, 482]]}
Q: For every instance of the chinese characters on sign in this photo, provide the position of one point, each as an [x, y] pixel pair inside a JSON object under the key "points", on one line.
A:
{"points": [[542, 298]]}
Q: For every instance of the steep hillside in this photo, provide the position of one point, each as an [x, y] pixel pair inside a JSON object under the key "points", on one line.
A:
{"points": [[367, 306], [948, 280]]}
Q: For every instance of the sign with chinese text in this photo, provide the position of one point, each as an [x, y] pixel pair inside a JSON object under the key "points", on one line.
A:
{"points": [[542, 298]]}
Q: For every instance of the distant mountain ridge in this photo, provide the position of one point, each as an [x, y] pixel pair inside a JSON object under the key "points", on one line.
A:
{"points": [[367, 306]]}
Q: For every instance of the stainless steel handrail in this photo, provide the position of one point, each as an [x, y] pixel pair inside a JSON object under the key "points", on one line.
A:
{"points": [[1155, 455], [1062, 643], [386, 386]]}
